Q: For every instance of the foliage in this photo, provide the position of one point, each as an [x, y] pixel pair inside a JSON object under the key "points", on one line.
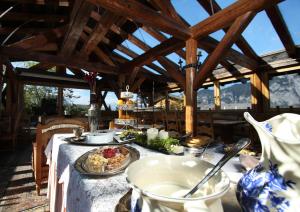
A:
{"points": [[42, 99]]}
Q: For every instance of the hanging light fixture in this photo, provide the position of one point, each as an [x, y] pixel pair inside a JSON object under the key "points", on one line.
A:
{"points": [[191, 65]]}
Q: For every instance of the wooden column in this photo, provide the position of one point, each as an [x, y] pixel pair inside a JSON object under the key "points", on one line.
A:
{"points": [[190, 93], [60, 101], [217, 95], [256, 92], [167, 102]]}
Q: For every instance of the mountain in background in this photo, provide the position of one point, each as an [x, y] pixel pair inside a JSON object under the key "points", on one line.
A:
{"points": [[284, 92]]}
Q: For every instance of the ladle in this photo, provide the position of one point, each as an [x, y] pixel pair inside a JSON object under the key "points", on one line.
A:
{"points": [[241, 144]]}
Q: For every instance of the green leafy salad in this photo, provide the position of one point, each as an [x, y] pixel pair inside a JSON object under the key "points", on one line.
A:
{"points": [[169, 145]]}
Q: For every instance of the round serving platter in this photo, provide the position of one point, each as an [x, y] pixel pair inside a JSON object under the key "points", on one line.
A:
{"points": [[79, 163], [83, 141]]}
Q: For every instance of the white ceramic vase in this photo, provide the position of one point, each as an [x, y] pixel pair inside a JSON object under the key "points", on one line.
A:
{"points": [[274, 185]]}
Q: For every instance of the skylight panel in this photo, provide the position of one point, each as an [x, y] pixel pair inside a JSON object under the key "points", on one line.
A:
{"points": [[158, 64], [190, 10], [145, 37], [122, 54], [151, 70], [174, 57], [225, 3], [218, 35], [166, 34], [24, 64], [69, 72], [132, 47], [261, 35], [290, 12]]}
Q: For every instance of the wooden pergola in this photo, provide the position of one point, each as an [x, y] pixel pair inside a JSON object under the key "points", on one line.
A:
{"points": [[85, 34]]}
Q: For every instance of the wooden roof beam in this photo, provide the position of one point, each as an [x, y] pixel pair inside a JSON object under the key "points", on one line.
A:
{"points": [[226, 16], [209, 44], [21, 54], [281, 28], [162, 49], [230, 37], [41, 67], [99, 52], [145, 15], [102, 27], [79, 17], [241, 42], [170, 66]]}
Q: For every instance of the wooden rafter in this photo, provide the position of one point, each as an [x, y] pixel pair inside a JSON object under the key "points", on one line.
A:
{"points": [[230, 37], [99, 52], [241, 42], [79, 17], [209, 44], [226, 16], [162, 49], [41, 67], [282, 30], [99, 32], [40, 40], [145, 15], [21, 54]]}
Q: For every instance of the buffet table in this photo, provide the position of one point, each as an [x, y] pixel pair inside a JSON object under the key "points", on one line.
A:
{"points": [[69, 190]]}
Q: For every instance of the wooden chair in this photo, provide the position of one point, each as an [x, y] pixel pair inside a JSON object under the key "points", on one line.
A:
{"points": [[172, 121], [44, 132], [205, 133]]}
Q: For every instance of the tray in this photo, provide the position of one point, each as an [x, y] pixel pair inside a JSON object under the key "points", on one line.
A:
{"points": [[124, 203], [120, 141], [83, 142], [79, 163]]}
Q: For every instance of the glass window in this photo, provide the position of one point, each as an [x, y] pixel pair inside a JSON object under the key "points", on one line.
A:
{"points": [[205, 98], [132, 47], [261, 35], [290, 12], [111, 100], [24, 64], [176, 101], [285, 90], [236, 95], [76, 101], [145, 37], [190, 10]]}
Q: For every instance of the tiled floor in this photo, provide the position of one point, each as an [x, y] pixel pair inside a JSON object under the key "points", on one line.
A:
{"points": [[17, 187]]}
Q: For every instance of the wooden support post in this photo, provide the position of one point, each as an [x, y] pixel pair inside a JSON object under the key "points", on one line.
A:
{"points": [[256, 92], [265, 92], [217, 95], [60, 101], [190, 93], [167, 102]]}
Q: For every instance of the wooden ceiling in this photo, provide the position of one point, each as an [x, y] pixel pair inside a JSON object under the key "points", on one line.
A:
{"points": [[83, 34]]}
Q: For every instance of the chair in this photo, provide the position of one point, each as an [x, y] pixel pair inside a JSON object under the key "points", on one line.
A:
{"points": [[44, 132], [172, 121], [205, 133]]}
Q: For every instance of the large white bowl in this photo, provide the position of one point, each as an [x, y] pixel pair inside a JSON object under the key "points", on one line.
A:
{"points": [[156, 179], [100, 137]]}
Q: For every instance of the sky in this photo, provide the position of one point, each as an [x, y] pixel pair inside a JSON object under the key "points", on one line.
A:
{"points": [[260, 34]]}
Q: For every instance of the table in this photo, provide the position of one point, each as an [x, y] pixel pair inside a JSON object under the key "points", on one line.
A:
{"points": [[223, 127], [70, 191]]}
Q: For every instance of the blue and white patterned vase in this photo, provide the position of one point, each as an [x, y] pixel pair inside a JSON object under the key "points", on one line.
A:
{"points": [[274, 184]]}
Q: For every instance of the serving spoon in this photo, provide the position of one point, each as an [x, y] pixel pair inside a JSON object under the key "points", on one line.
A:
{"points": [[241, 144]]}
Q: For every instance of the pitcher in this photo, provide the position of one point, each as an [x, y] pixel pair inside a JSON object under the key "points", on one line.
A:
{"points": [[274, 184]]}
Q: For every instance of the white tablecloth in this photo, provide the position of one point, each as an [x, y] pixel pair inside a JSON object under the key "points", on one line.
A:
{"points": [[81, 193]]}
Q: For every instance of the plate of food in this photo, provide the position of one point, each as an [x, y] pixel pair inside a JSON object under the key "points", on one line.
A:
{"points": [[106, 160]]}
